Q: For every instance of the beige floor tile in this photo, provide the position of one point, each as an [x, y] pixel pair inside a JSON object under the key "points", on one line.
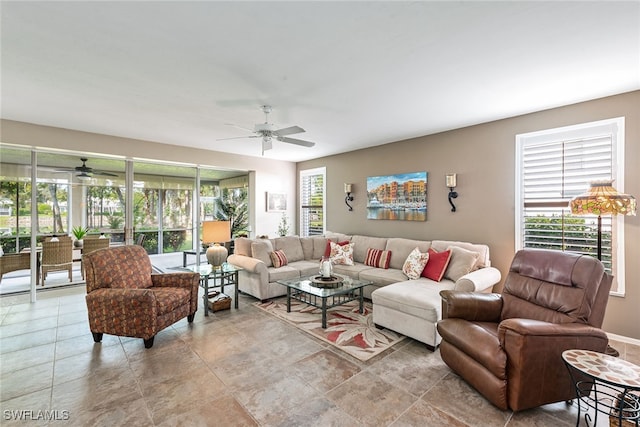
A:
{"points": [[370, 400], [225, 411], [455, 397], [26, 340], [325, 370], [26, 381], [21, 359], [24, 406], [423, 414]]}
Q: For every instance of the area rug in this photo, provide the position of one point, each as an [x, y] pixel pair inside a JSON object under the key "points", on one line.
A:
{"points": [[348, 330]]}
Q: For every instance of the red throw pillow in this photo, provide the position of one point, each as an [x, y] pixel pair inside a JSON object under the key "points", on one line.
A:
{"points": [[327, 250], [437, 265]]}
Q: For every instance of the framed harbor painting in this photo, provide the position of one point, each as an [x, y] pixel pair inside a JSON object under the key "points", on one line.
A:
{"points": [[400, 197]]}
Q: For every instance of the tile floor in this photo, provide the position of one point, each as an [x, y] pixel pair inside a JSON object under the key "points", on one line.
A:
{"points": [[235, 368]]}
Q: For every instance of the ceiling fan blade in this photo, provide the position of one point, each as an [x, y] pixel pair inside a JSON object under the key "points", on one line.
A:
{"points": [[288, 131], [237, 137], [297, 142], [103, 173], [239, 127], [267, 144]]}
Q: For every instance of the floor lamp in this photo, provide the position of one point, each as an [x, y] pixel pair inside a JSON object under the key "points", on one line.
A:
{"points": [[603, 199]]}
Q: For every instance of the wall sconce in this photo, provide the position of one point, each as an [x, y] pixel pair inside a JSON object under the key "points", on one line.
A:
{"points": [[451, 184], [349, 197]]}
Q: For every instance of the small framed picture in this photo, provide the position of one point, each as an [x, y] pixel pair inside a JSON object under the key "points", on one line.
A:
{"points": [[276, 202]]}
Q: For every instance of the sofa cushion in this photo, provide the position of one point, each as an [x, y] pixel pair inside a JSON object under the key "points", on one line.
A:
{"points": [[382, 277], [261, 249], [242, 246], [482, 250], [283, 273], [291, 246], [313, 247], [415, 263], [461, 263], [353, 271], [278, 258], [437, 265], [306, 268], [342, 254], [363, 243], [420, 298], [401, 248]]}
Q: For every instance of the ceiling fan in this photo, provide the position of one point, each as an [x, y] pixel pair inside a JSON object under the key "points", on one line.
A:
{"points": [[84, 172], [267, 131]]}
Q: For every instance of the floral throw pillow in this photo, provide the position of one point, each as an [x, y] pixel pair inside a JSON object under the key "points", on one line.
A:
{"points": [[415, 263], [342, 254], [278, 258]]}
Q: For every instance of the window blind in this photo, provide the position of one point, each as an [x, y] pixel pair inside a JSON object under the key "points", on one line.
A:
{"points": [[312, 202], [552, 174]]}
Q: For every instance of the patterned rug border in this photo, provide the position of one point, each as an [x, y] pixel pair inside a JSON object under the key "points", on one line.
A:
{"points": [[347, 330]]}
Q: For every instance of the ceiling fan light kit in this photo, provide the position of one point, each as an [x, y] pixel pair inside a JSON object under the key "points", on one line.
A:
{"points": [[267, 132]]}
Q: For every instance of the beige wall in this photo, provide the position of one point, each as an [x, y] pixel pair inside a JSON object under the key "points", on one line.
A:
{"points": [[265, 174], [483, 156]]}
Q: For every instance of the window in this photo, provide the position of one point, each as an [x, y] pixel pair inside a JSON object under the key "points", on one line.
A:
{"points": [[312, 202], [552, 167]]}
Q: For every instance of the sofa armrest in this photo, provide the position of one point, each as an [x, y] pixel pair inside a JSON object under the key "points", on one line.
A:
{"points": [[530, 327], [249, 264], [481, 280], [471, 306], [176, 280]]}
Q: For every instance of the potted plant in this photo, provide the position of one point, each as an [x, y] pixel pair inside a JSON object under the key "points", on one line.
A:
{"points": [[79, 232]]}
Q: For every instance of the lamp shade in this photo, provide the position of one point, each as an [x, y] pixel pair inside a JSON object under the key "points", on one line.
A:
{"points": [[216, 231], [603, 199]]}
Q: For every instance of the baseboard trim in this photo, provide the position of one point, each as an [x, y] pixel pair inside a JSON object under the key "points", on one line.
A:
{"points": [[624, 339]]}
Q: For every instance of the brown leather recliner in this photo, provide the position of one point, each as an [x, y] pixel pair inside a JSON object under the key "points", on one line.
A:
{"points": [[509, 346]]}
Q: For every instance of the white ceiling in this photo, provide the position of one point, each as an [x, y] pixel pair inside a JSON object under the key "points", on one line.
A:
{"points": [[353, 74]]}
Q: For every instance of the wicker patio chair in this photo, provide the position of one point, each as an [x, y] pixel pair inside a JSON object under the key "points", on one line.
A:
{"points": [[57, 256], [89, 245], [15, 262]]}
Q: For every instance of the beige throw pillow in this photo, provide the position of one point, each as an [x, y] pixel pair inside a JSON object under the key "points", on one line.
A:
{"points": [[461, 263]]}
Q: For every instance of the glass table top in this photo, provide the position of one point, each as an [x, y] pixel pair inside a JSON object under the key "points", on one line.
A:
{"points": [[207, 269], [304, 284]]}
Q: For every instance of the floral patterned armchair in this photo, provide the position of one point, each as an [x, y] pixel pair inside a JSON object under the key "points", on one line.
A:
{"points": [[125, 299]]}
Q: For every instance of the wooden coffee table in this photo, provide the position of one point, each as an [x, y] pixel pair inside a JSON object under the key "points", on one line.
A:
{"points": [[303, 290]]}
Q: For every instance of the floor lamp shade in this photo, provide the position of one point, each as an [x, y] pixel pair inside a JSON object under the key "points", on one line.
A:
{"points": [[603, 199], [214, 233]]}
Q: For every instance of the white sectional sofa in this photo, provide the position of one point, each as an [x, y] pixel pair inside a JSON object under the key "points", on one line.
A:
{"points": [[410, 307]]}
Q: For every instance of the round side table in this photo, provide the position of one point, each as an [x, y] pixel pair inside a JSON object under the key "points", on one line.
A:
{"points": [[606, 384]]}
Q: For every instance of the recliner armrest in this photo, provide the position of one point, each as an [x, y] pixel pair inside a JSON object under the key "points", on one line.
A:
{"points": [[530, 327], [471, 306]]}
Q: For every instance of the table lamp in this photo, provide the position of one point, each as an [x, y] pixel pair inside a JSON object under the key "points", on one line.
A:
{"points": [[214, 233]]}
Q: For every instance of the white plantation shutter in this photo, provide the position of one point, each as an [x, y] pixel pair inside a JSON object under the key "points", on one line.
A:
{"points": [[555, 166], [312, 201]]}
